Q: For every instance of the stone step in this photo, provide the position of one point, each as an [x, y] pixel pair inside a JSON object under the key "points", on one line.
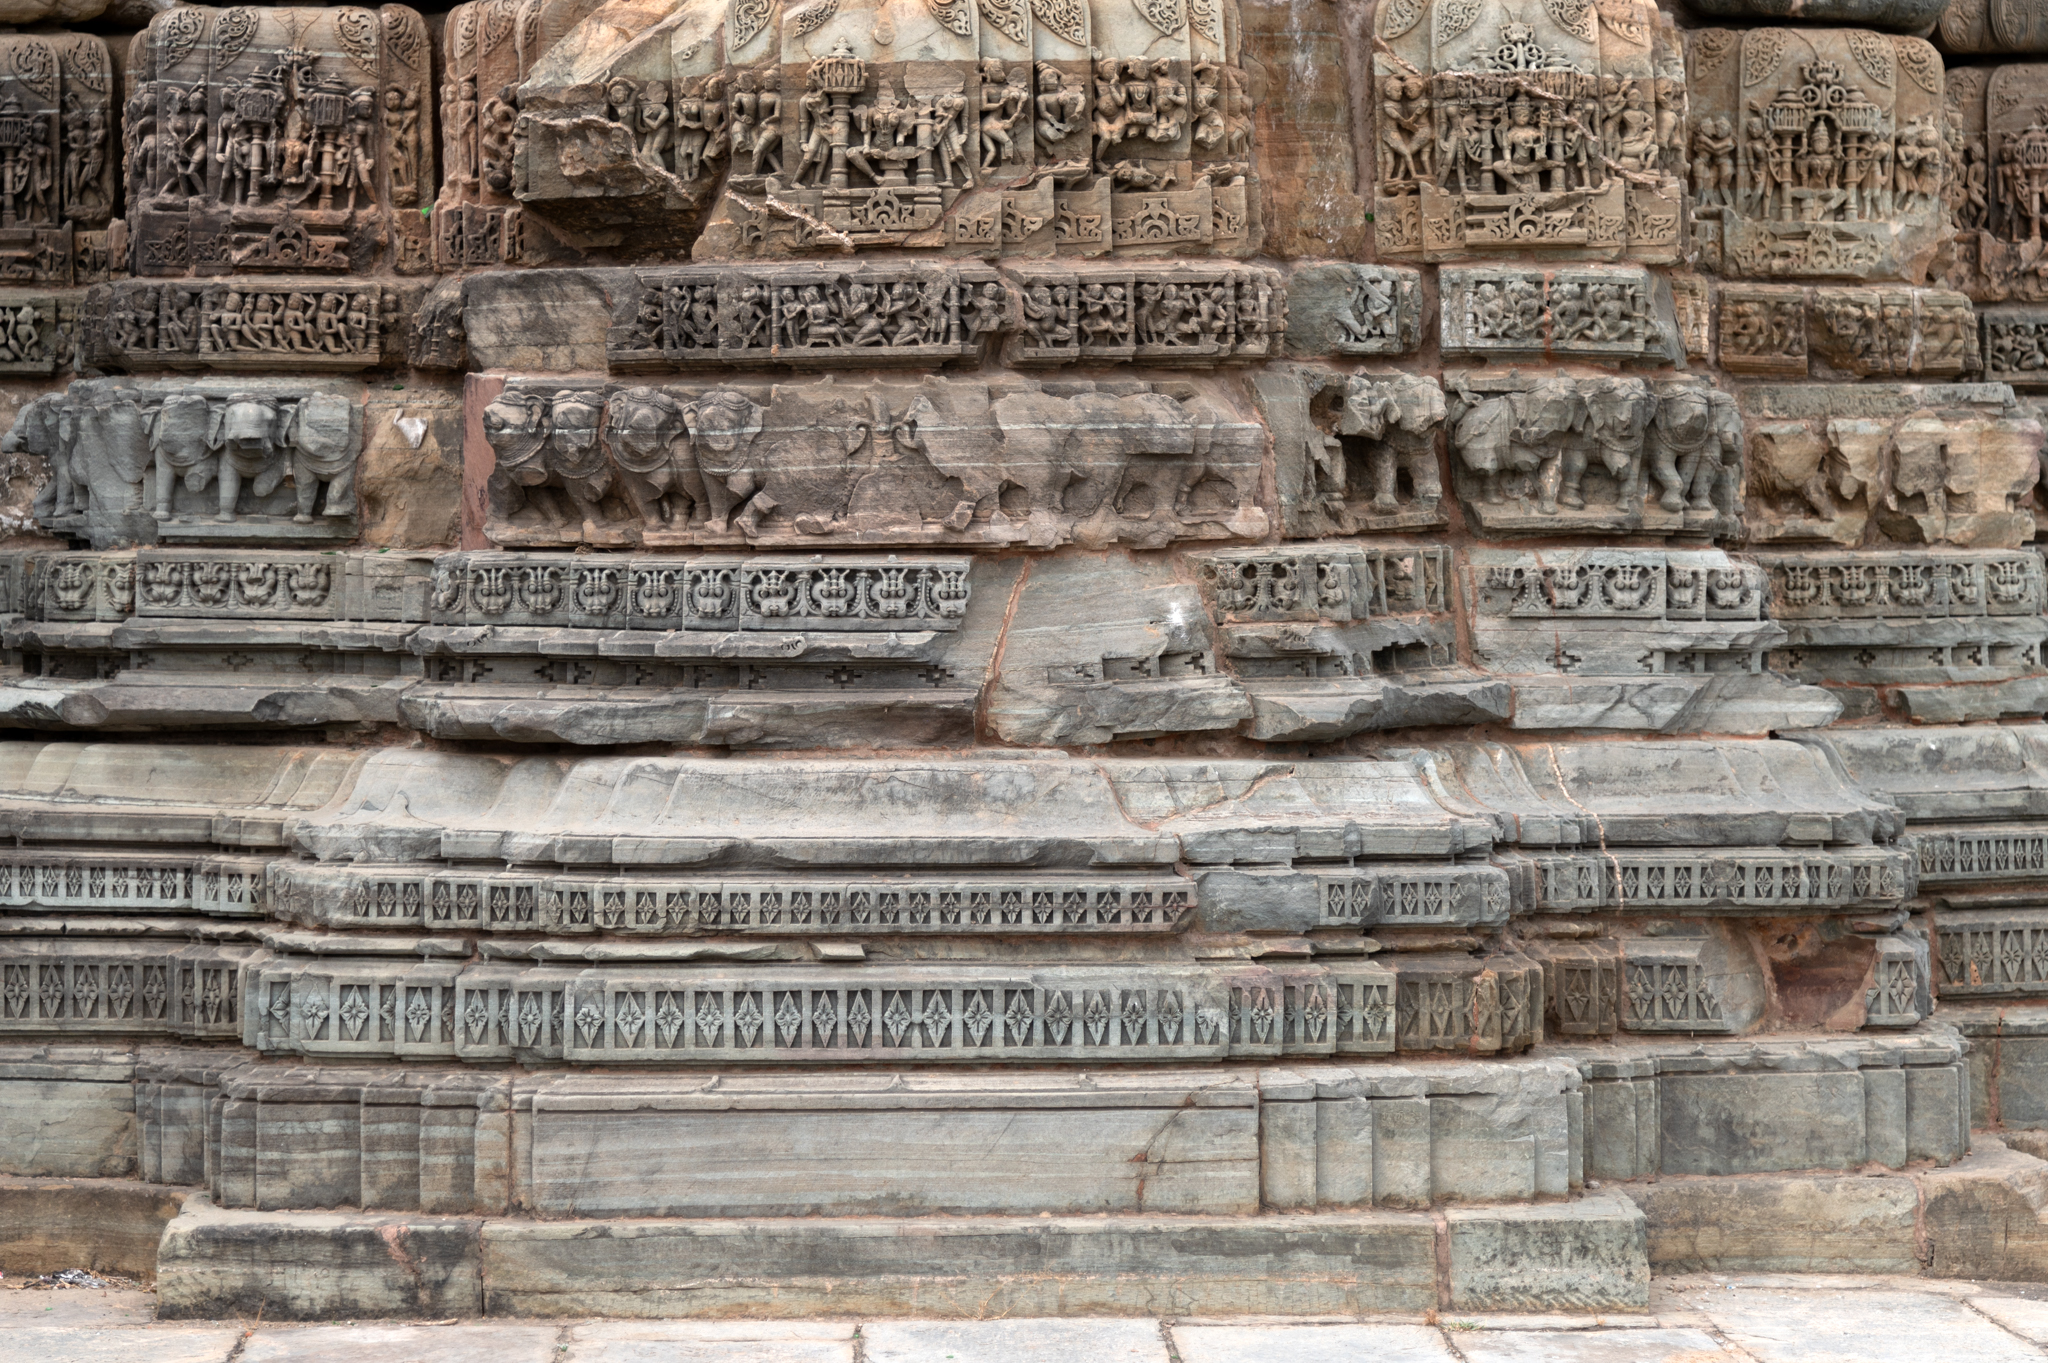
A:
{"points": [[1587, 1254]]}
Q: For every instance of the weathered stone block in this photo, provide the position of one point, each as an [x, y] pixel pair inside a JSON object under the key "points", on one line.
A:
{"points": [[1586, 1254]]}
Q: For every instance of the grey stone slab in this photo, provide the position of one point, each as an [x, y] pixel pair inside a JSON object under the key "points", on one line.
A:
{"points": [[1591, 1346], [963, 1267], [937, 1156], [1869, 1326], [56, 1128], [74, 1307], [466, 1342], [315, 1266], [1014, 1341], [1793, 1224], [174, 1345], [1310, 1344]]}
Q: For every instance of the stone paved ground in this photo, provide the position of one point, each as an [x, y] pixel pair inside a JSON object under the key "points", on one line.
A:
{"points": [[1703, 1319]]}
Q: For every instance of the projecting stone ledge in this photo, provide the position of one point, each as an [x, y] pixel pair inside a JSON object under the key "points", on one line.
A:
{"points": [[1588, 1254]]}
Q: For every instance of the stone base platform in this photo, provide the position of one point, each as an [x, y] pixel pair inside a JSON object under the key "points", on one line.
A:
{"points": [[1586, 1254]]}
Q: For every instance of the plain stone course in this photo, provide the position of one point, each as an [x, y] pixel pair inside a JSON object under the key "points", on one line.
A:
{"points": [[71, 1308]]}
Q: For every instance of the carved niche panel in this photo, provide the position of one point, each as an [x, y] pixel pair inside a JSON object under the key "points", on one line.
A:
{"points": [[57, 158], [1816, 152], [196, 460], [279, 140], [1553, 456], [1555, 128], [487, 49], [937, 462], [1999, 191], [306, 324], [1354, 310]]}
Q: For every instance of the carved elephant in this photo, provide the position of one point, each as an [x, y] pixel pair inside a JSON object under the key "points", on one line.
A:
{"points": [[1521, 432], [322, 436], [246, 429], [1397, 417], [1229, 449], [516, 427], [796, 457], [181, 436], [648, 435], [549, 456], [43, 427], [108, 438], [1023, 441]]}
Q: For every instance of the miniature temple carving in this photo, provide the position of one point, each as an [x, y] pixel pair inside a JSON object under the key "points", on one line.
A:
{"points": [[1839, 160], [1552, 131]]}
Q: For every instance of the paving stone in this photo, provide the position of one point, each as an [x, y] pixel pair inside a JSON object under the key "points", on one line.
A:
{"points": [[1014, 1341], [1871, 1326], [1589, 1346], [2024, 1316], [468, 1342], [711, 1341], [210, 1345], [1310, 1344], [75, 1306]]}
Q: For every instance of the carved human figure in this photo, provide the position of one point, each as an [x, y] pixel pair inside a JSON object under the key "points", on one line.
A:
{"points": [[1005, 102], [1206, 114], [494, 139], [1059, 107], [402, 134], [1713, 161], [693, 131], [654, 126], [1467, 156], [1111, 114]]}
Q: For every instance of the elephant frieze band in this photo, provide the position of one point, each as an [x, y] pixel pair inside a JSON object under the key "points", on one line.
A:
{"points": [[877, 463]]}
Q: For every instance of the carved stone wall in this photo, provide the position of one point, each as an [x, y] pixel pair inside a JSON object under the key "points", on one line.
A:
{"points": [[583, 579]]}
